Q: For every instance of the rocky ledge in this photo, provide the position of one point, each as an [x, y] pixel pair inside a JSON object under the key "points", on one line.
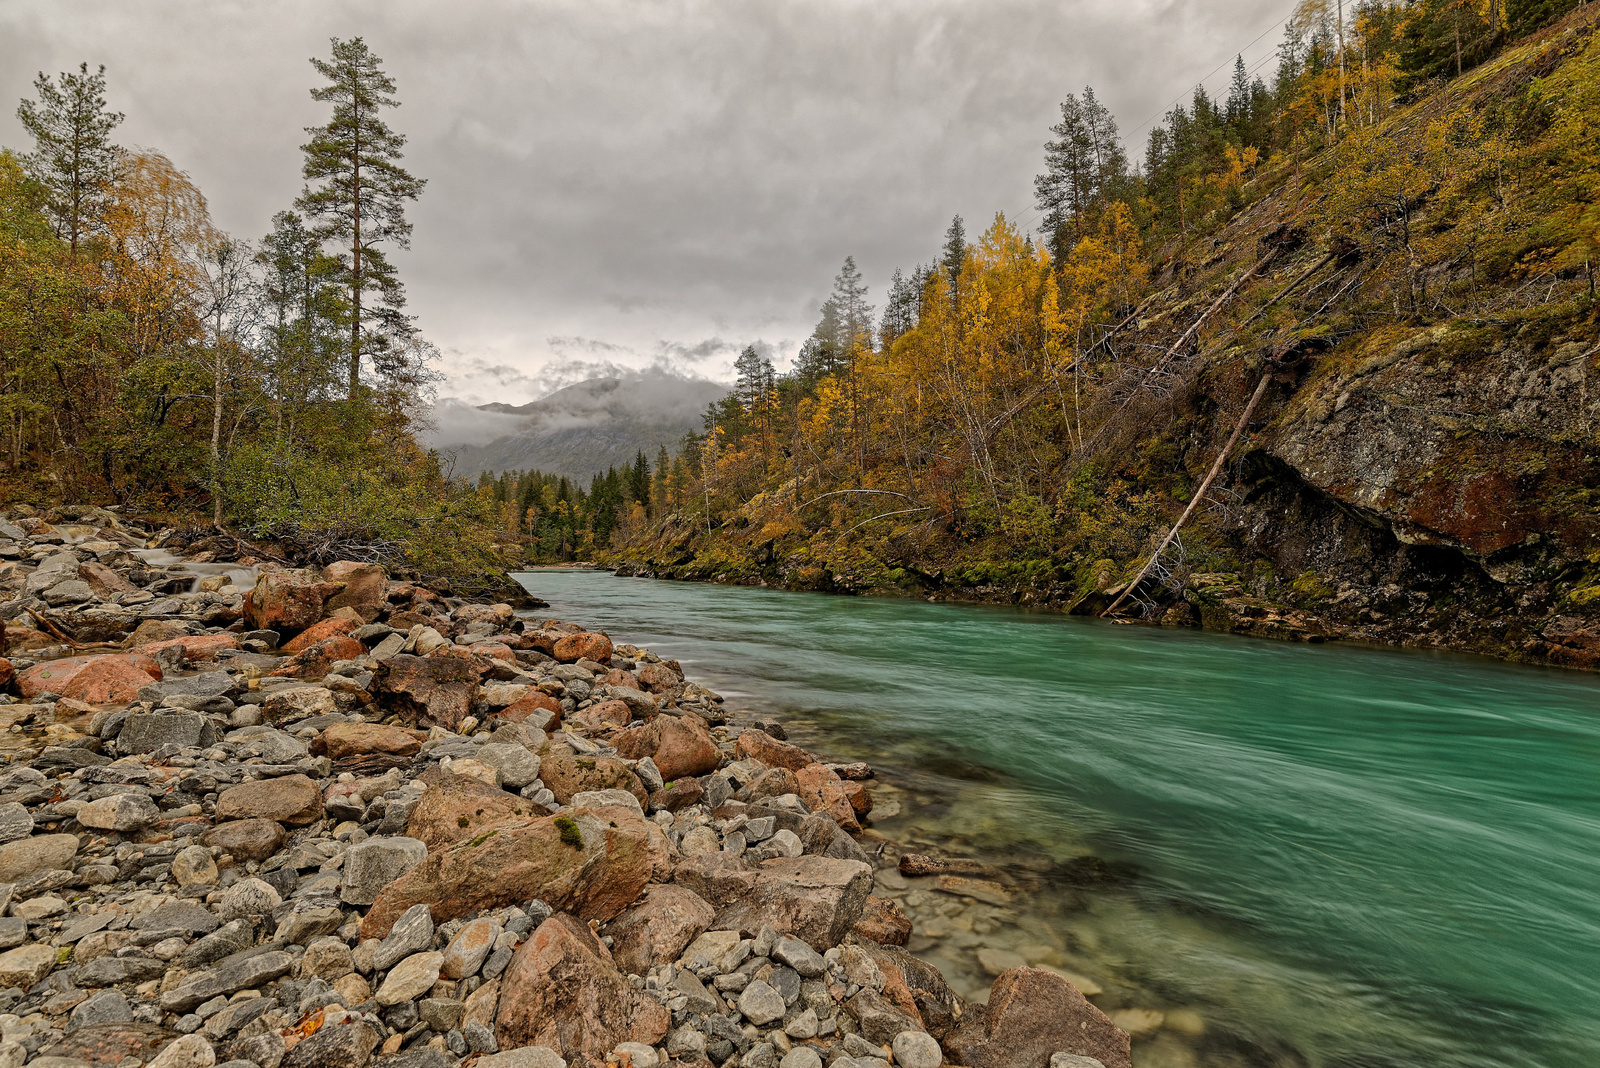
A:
{"points": [[330, 821]]}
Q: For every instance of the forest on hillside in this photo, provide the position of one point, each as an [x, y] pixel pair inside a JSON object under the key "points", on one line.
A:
{"points": [[1016, 407]]}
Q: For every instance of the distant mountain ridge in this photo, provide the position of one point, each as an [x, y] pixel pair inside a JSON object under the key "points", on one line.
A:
{"points": [[585, 428]]}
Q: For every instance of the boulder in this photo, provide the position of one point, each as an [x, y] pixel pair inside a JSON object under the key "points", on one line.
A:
{"points": [[410, 979], [536, 706], [568, 775], [347, 1043], [658, 927], [55, 676], [119, 813], [102, 580], [680, 746], [469, 948], [108, 680], [247, 839], [145, 732], [563, 991], [814, 899], [585, 645], [1032, 1014], [26, 965], [287, 601], [289, 703], [317, 659], [824, 792], [658, 678], [459, 807], [42, 852], [371, 865], [366, 588], [759, 745], [517, 766], [883, 921], [292, 799], [319, 631], [593, 862], [427, 691], [341, 741]]}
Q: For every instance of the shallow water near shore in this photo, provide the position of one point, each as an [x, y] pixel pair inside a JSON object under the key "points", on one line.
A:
{"points": [[1330, 856]]}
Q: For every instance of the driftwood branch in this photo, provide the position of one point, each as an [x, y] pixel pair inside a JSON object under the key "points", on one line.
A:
{"points": [[1199, 494]]}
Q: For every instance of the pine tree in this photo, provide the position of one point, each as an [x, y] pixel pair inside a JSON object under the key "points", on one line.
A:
{"points": [[1085, 169], [955, 255], [73, 157], [855, 314], [900, 313], [355, 195], [750, 381]]}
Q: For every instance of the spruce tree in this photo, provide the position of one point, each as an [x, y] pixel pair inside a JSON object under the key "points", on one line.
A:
{"points": [[355, 197], [73, 157]]}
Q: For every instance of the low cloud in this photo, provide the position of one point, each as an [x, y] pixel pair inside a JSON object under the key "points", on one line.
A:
{"points": [[457, 422]]}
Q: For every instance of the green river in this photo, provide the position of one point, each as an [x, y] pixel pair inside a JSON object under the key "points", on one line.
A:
{"points": [[1258, 853]]}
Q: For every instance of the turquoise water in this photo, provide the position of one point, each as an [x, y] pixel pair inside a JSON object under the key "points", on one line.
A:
{"points": [[1333, 856]]}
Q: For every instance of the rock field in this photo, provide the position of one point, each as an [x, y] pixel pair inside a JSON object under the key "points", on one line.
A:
{"points": [[275, 818]]}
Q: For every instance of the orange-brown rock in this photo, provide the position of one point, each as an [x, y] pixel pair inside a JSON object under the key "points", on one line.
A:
{"points": [[427, 691], [677, 794], [603, 715], [774, 782], [562, 990], [366, 588], [8, 672], [859, 797], [544, 710], [658, 927], [318, 631], [194, 646], [108, 680], [459, 807], [759, 745], [344, 740], [27, 639], [287, 601], [824, 792], [55, 676], [590, 862], [568, 775], [658, 678], [625, 679], [315, 660], [1032, 1014], [679, 745], [585, 645], [406, 619], [253, 839], [493, 651], [883, 921], [291, 799]]}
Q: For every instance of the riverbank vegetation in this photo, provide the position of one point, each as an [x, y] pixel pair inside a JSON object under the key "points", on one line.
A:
{"points": [[149, 360]]}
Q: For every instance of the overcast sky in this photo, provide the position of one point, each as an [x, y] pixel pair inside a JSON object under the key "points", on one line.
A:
{"points": [[631, 182]]}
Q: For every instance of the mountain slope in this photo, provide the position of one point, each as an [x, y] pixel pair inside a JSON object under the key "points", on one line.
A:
{"points": [[588, 427]]}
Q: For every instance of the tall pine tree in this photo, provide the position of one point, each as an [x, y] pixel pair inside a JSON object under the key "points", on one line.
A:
{"points": [[73, 157], [355, 197]]}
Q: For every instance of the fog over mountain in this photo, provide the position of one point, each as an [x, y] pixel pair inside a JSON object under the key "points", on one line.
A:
{"points": [[578, 430]]}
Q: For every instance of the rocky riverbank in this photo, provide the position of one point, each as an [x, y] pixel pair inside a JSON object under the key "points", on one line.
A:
{"points": [[283, 818]]}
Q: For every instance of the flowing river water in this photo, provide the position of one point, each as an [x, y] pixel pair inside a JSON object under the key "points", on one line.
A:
{"points": [[1258, 853]]}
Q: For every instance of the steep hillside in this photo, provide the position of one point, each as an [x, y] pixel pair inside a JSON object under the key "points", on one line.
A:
{"points": [[591, 426], [1414, 306]]}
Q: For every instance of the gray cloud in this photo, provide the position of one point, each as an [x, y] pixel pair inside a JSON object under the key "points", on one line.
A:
{"points": [[640, 183]]}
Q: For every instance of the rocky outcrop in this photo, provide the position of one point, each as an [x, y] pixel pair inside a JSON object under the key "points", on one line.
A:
{"points": [[1031, 1015]]}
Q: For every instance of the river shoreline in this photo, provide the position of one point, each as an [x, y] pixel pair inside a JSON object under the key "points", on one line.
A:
{"points": [[337, 820]]}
